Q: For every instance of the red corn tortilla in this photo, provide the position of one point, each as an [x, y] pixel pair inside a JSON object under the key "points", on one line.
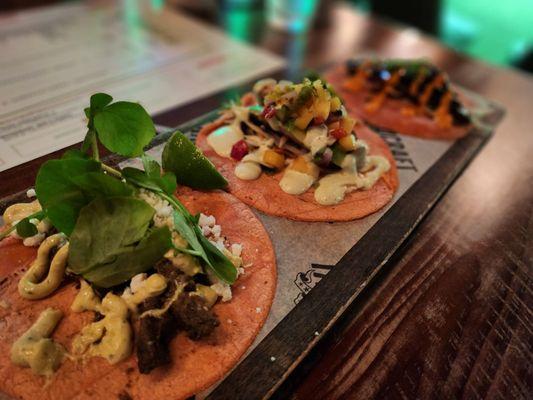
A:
{"points": [[195, 365], [389, 115], [265, 194]]}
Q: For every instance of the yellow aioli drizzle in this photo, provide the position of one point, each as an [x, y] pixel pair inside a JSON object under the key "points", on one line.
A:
{"points": [[111, 337], [333, 188], [154, 285], [35, 349], [43, 276], [86, 299], [19, 211]]}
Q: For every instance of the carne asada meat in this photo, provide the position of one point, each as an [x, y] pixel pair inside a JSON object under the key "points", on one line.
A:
{"points": [[188, 312]]}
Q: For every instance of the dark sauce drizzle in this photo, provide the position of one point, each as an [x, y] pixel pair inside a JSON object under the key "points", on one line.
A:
{"points": [[422, 84]]}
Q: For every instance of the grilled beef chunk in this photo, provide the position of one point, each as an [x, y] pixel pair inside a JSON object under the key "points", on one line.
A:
{"points": [[187, 313], [193, 316], [152, 343]]}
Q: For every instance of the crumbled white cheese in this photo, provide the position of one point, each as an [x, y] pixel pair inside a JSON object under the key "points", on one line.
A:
{"points": [[236, 249], [31, 193], [223, 290], [206, 220], [216, 231], [258, 310], [219, 244], [272, 358], [316, 333], [163, 209]]}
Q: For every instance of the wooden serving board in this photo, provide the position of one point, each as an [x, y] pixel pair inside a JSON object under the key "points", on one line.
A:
{"points": [[283, 346]]}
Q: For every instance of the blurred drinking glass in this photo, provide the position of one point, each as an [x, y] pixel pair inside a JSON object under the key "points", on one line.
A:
{"points": [[291, 15]]}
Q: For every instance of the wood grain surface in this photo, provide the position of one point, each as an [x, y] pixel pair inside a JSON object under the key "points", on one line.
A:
{"points": [[452, 315]]}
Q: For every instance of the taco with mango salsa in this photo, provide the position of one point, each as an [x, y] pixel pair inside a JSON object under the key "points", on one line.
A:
{"points": [[292, 150], [411, 97], [115, 284]]}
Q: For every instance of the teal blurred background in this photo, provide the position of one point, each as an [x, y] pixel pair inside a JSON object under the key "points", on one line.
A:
{"points": [[497, 31]]}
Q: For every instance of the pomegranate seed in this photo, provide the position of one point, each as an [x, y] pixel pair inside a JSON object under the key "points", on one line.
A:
{"points": [[239, 150], [268, 112], [338, 133]]}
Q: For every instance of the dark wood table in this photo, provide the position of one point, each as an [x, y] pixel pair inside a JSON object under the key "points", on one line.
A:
{"points": [[452, 314]]}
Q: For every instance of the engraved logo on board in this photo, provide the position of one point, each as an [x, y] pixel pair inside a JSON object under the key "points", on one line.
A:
{"points": [[308, 279], [400, 153]]}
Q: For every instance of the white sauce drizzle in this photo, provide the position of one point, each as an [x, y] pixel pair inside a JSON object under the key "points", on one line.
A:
{"points": [[316, 138], [332, 188], [296, 182], [247, 171]]}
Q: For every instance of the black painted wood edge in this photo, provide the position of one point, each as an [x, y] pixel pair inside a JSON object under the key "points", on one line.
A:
{"points": [[260, 374]]}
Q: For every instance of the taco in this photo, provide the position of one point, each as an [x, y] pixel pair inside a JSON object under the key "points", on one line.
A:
{"points": [[411, 97], [291, 150], [152, 293]]}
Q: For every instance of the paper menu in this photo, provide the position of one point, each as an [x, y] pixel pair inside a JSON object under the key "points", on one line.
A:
{"points": [[54, 58]]}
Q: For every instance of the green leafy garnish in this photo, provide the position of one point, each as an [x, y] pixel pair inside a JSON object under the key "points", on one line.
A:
{"points": [[123, 127], [64, 186], [187, 226], [25, 228], [151, 177], [111, 232], [111, 241]]}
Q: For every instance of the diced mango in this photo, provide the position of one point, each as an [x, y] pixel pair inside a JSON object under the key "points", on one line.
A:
{"points": [[347, 143], [273, 159], [303, 165], [347, 124], [305, 116], [335, 103], [321, 109]]}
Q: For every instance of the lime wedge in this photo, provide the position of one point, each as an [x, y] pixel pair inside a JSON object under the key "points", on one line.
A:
{"points": [[190, 166]]}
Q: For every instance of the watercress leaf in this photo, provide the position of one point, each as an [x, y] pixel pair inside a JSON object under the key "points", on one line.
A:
{"points": [[106, 229], [139, 178], [75, 153], [98, 184], [186, 226], [59, 196], [128, 264], [124, 128], [99, 101], [219, 263], [87, 112], [64, 186], [166, 183], [25, 228], [88, 141], [187, 231], [151, 166]]}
